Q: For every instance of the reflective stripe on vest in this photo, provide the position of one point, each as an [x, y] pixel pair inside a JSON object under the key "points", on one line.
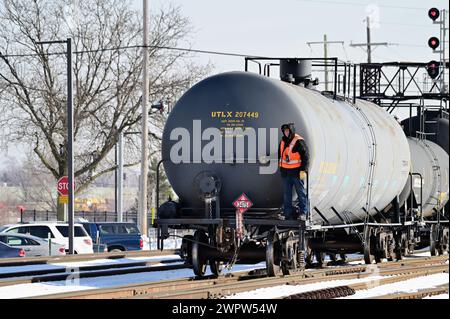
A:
{"points": [[286, 153]]}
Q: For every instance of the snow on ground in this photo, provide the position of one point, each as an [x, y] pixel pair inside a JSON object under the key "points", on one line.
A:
{"points": [[40, 289], [286, 290], [444, 296], [411, 285], [170, 243], [46, 288], [63, 265], [118, 261]]}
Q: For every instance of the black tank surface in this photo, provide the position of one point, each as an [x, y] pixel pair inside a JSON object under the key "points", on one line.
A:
{"points": [[222, 138], [231, 100], [436, 125]]}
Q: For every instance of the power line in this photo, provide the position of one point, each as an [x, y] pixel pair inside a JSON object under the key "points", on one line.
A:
{"points": [[412, 45], [369, 44], [407, 24], [134, 47], [362, 4]]}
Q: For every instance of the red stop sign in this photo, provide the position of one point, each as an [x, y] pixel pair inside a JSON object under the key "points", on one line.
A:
{"points": [[63, 186]]}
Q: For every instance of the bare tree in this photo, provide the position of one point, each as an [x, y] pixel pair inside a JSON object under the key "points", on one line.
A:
{"points": [[107, 72], [35, 183]]}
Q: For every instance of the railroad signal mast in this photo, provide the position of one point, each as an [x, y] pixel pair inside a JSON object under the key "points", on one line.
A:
{"points": [[436, 70]]}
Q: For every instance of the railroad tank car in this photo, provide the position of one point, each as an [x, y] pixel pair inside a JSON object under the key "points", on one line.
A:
{"points": [[431, 187], [436, 126], [221, 140], [340, 136]]}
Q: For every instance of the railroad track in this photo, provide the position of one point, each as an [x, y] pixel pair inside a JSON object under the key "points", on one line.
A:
{"points": [[192, 288], [389, 277], [421, 293], [12, 262], [64, 273]]}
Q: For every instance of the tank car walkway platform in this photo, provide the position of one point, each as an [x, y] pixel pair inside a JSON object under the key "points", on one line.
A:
{"points": [[231, 221]]}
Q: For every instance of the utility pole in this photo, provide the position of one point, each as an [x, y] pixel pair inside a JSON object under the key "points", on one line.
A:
{"points": [[116, 196], [325, 43], [369, 44], [120, 179], [369, 49], [144, 136], [70, 166]]}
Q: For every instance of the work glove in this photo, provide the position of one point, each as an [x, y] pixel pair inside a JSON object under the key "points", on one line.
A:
{"points": [[303, 175]]}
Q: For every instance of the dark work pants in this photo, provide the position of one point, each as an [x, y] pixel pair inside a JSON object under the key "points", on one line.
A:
{"points": [[288, 183]]}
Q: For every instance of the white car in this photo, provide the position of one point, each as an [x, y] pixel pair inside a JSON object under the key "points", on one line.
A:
{"points": [[82, 242], [32, 245]]}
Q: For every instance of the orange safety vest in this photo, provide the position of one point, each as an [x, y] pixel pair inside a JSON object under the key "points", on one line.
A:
{"points": [[288, 159]]}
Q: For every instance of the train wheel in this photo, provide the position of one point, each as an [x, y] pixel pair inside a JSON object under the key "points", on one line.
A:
{"points": [[333, 257], [434, 237], [273, 255], [390, 249], [216, 267], [369, 256], [343, 257], [198, 258], [320, 257], [186, 249], [309, 256], [443, 243], [291, 254], [411, 245], [401, 249]]}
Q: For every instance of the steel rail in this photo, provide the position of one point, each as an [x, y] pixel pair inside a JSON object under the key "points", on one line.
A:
{"points": [[352, 288], [420, 294], [63, 273], [223, 290], [11, 262], [151, 289]]}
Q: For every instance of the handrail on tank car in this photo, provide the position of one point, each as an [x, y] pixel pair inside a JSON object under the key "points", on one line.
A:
{"points": [[157, 186], [421, 194], [336, 63], [251, 59]]}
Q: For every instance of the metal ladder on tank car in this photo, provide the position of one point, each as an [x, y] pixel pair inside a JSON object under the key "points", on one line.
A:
{"points": [[371, 139], [422, 135], [425, 115]]}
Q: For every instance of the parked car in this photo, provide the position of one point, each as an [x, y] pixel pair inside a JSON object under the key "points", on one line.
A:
{"points": [[32, 245], [59, 233], [100, 248], [7, 251], [115, 235]]}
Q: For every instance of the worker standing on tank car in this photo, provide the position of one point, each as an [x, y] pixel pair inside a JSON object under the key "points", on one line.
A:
{"points": [[293, 158]]}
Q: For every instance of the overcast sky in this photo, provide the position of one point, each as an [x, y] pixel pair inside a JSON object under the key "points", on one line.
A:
{"points": [[282, 28]]}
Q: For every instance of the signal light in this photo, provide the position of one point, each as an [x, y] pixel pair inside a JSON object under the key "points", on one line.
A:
{"points": [[433, 43], [433, 13], [433, 69]]}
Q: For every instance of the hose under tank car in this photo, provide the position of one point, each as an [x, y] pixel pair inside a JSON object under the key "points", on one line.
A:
{"points": [[343, 140]]}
